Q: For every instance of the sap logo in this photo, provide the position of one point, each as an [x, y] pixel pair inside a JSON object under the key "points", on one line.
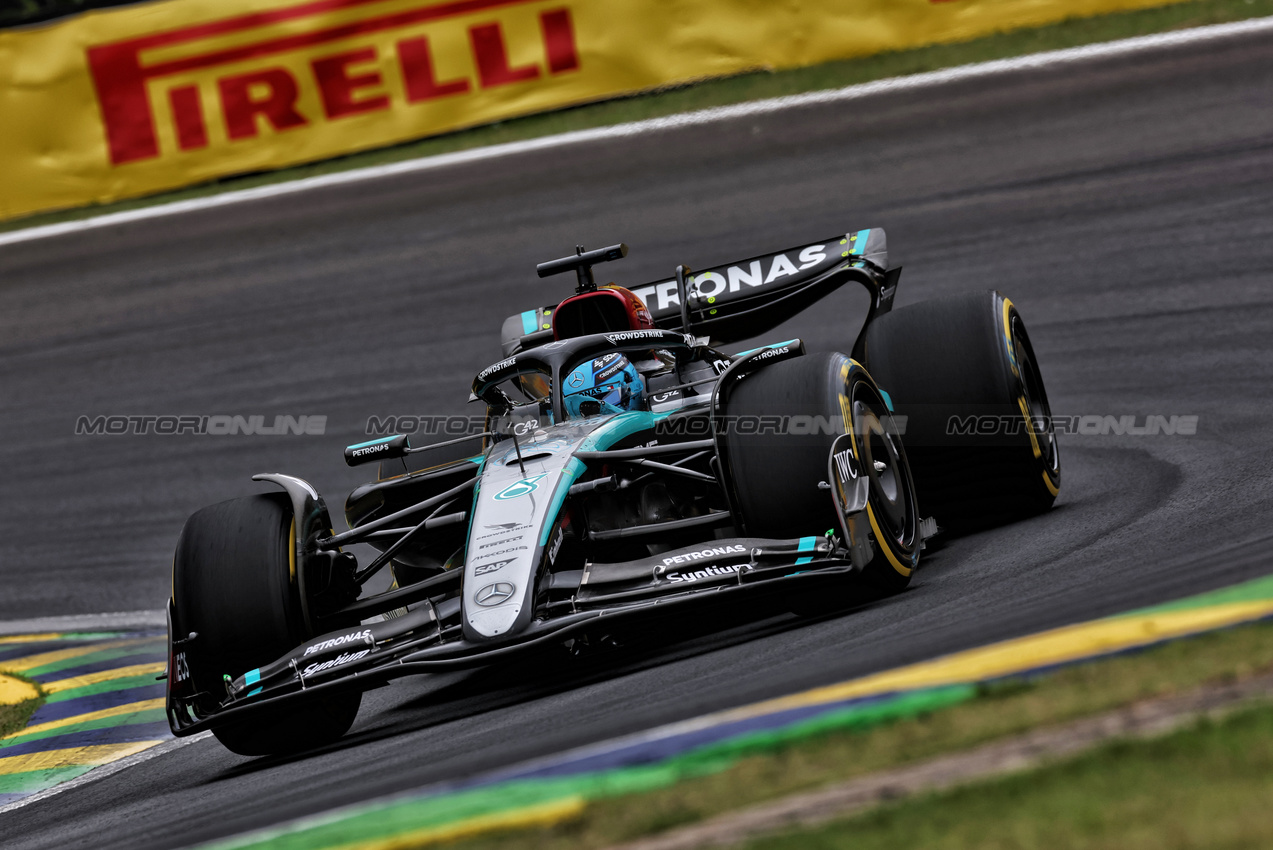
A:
{"points": [[733, 278], [847, 465], [492, 567]]}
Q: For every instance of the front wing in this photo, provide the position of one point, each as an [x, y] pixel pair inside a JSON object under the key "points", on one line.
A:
{"points": [[721, 572]]}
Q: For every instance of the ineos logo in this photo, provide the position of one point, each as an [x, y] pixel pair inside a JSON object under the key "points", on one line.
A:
{"points": [[494, 594]]}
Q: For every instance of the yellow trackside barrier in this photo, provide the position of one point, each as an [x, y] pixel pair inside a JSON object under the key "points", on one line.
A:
{"points": [[129, 101]]}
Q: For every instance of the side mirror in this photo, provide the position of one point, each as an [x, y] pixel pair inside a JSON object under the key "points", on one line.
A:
{"points": [[384, 448]]}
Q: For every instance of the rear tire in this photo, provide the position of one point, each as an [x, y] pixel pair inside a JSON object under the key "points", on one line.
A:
{"points": [[776, 475], [978, 425], [234, 584]]}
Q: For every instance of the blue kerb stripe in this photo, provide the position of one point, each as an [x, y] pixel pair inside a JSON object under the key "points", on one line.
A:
{"points": [[371, 443], [807, 544], [251, 677], [529, 322], [887, 400]]}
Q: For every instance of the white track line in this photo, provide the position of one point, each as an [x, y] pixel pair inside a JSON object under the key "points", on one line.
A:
{"points": [[120, 622], [1052, 58]]}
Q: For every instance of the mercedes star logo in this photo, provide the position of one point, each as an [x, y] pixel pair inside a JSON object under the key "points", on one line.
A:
{"points": [[494, 594]]}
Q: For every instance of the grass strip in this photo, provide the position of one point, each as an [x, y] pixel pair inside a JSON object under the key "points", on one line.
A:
{"points": [[738, 89], [412, 816], [1004, 708], [1207, 786]]}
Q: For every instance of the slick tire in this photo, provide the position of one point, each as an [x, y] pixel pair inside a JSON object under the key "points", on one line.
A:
{"points": [[776, 472], [962, 372], [234, 585]]}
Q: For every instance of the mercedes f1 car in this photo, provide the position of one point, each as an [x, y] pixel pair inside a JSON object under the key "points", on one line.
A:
{"points": [[628, 469]]}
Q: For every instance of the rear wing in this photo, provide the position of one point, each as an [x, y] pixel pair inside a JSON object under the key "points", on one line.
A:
{"points": [[749, 297]]}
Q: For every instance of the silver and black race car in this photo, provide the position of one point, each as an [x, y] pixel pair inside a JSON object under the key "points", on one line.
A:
{"points": [[628, 470]]}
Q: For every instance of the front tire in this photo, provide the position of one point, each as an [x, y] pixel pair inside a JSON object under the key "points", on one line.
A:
{"points": [[776, 471], [234, 584]]}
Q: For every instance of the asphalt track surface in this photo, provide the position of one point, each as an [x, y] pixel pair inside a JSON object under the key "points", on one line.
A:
{"points": [[1125, 205]]}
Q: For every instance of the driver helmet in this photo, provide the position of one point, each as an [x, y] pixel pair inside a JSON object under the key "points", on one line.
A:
{"points": [[608, 384]]}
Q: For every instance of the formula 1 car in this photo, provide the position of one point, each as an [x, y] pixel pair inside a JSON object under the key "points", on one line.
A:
{"points": [[628, 470]]}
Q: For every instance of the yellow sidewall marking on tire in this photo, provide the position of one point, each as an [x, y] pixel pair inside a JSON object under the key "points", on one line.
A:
{"points": [[901, 568], [1007, 337], [291, 552], [888, 551], [1047, 482], [1029, 427]]}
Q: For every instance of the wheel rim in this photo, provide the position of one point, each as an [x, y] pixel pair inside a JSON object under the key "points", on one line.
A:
{"points": [[884, 461], [1035, 397]]}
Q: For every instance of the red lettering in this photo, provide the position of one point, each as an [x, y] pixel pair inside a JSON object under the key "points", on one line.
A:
{"points": [[559, 40], [278, 106], [121, 93], [338, 88], [417, 72], [492, 58], [187, 114], [120, 77]]}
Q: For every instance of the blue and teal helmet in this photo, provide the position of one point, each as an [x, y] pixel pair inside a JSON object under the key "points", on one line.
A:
{"points": [[609, 384]]}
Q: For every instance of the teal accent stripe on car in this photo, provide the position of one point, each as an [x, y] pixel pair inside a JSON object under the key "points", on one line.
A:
{"points": [[371, 442], [888, 400], [621, 426], [530, 322], [763, 347], [574, 468], [807, 544], [251, 677], [859, 245]]}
